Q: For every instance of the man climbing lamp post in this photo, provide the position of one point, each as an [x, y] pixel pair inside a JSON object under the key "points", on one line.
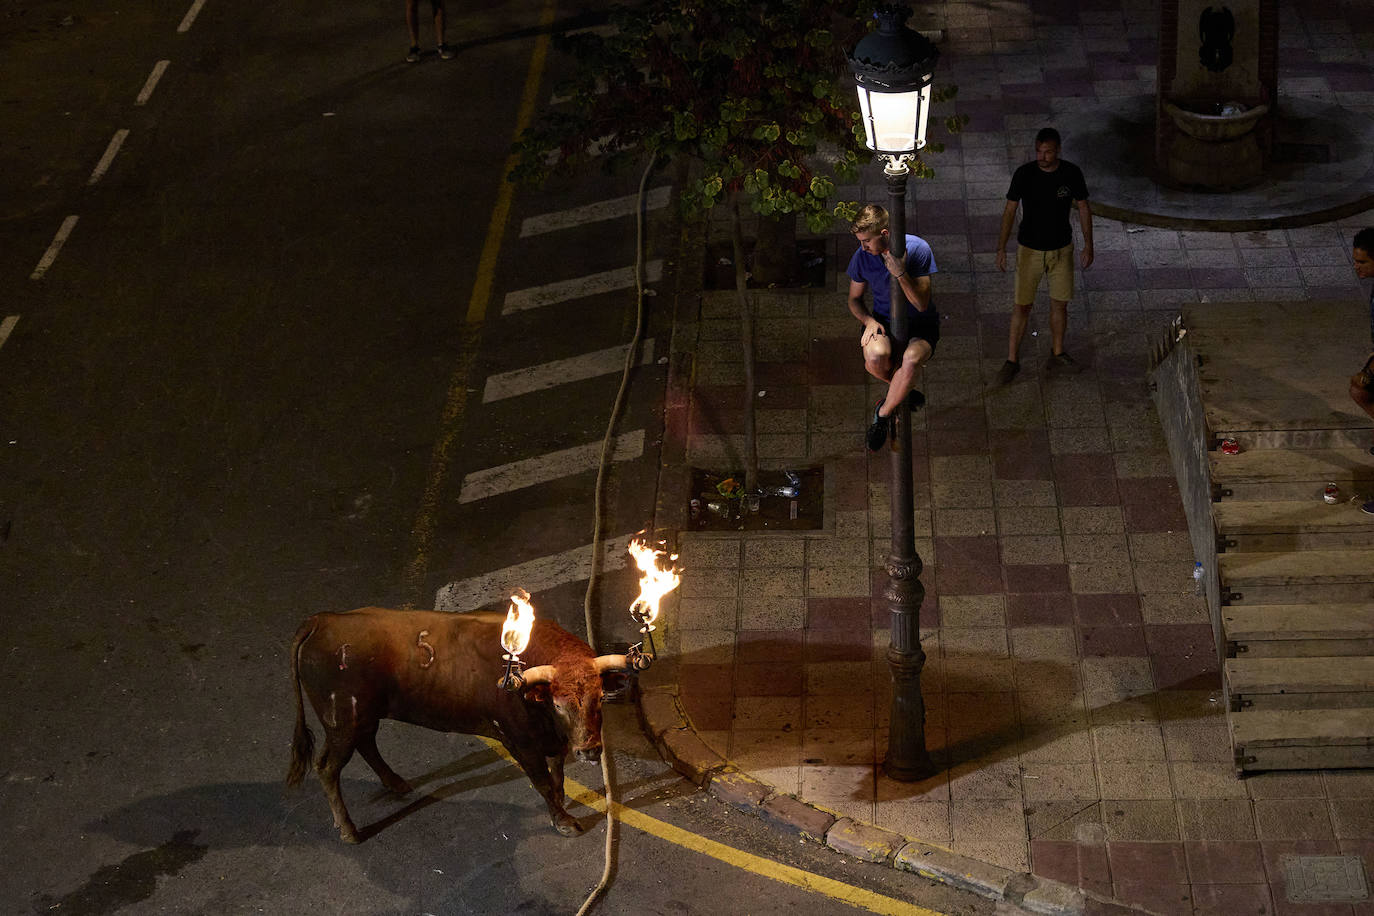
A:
{"points": [[892, 69]]}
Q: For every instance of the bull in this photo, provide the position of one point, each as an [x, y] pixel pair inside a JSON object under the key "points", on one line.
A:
{"points": [[442, 671]]}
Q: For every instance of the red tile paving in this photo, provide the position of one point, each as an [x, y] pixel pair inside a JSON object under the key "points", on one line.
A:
{"points": [[1092, 674]]}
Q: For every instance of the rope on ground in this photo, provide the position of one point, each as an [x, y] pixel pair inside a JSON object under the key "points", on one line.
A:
{"points": [[598, 499]]}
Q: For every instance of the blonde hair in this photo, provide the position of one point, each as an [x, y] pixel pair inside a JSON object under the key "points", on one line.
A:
{"points": [[872, 218]]}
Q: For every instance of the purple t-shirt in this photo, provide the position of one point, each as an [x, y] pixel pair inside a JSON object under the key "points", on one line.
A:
{"points": [[870, 269]]}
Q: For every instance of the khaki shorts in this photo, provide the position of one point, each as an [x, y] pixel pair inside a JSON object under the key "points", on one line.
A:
{"points": [[1031, 265]]}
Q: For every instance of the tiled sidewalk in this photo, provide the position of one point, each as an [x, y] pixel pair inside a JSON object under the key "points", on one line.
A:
{"points": [[1072, 687]]}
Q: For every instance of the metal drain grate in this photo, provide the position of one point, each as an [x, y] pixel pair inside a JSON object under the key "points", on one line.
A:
{"points": [[1324, 879]]}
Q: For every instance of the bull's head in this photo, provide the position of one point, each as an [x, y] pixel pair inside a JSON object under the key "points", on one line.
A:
{"points": [[575, 693]]}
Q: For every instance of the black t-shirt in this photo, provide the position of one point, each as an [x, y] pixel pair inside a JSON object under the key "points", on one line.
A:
{"points": [[1046, 199]]}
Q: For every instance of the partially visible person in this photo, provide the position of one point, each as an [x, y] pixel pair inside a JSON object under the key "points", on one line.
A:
{"points": [[1046, 189], [1362, 382], [413, 24], [872, 268]]}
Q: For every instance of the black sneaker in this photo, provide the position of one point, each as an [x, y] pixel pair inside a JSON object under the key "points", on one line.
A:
{"points": [[413, 55], [915, 400], [1006, 373], [445, 52], [1063, 362], [879, 429]]}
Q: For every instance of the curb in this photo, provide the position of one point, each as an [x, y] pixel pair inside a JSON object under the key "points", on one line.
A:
{"points": [[673, 735]]}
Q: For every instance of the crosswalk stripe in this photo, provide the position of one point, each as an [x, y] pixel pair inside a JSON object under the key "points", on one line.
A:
{"points": [[605, 282], [550, 466], [561, 372], [534, 576], [600, 211], [49, 256]]}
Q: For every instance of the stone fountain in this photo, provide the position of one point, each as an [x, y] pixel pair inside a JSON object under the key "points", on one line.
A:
{"points": [[1218, 81]]}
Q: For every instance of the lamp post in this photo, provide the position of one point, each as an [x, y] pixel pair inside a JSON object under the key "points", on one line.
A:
{"points": [[892, 70]]}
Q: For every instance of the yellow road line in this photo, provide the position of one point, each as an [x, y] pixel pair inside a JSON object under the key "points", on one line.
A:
{"points": [[738, 858], [455, 402]]}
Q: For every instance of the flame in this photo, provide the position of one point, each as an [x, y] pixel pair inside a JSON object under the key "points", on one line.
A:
{"points": [[654, 581], [515, 634]]}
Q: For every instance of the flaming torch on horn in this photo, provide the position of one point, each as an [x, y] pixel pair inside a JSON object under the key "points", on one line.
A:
{"points": [[515, 637], [654, 583]]}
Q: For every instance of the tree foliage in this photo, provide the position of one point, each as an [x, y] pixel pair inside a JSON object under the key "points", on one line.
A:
{"points": [[757, 93]]}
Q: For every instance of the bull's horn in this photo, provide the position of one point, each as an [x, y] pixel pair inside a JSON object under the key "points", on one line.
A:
{"points": [[606, 663], [539, 674]]}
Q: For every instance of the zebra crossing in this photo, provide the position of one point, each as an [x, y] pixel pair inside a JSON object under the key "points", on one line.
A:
{"points": [[581, 386]]}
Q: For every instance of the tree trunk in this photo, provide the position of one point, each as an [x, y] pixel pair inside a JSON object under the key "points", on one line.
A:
{"points": [[746, 334], [775, 251]]}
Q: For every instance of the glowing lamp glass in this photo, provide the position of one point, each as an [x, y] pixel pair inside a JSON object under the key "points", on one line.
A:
{"points": [[895, 122]]}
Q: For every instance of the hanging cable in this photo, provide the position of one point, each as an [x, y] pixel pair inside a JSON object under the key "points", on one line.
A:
{"points": [[598, 498]]}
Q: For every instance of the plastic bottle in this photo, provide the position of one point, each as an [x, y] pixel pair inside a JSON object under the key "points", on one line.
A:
{"points": [[1197, 578]]}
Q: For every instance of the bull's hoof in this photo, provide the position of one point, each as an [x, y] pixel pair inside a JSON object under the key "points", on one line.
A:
{"points": [[349, 835], [568, 825], [400, 787]]}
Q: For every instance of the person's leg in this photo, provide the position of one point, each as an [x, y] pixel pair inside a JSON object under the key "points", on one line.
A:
{"points": [[413, 21], [1059, 322], [878, 358], [1020, 320], [438, 7], [1030, 267], [918, 353], [1060, 269]]}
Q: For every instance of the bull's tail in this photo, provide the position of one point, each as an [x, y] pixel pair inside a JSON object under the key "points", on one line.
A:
{"points": [[302, 742]]}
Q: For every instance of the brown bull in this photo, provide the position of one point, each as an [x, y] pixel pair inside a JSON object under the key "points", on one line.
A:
{"points": [[442, 671]]}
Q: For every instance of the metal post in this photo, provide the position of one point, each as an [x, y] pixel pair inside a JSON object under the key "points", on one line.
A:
{"points": [[907, 759]]}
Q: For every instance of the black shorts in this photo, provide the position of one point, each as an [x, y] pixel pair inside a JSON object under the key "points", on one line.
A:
{"points": [[923, 326]]}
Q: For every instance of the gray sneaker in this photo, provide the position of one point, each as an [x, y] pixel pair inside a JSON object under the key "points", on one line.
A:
{"points": [[1006, 373], [1063, 362], [413, 55]]}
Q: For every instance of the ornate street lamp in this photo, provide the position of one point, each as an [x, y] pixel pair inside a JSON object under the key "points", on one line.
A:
{"points": [[892, 70]]}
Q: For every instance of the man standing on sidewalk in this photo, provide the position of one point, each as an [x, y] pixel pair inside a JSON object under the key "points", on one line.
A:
{"points": [[1047, 189], [1362, 382], [875, 266]]}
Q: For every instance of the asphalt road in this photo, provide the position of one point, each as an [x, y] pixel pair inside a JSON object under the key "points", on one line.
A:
{"points": [[250, 384]]}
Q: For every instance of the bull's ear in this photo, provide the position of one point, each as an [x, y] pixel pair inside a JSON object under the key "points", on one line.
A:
{"points": [[539, 692]]}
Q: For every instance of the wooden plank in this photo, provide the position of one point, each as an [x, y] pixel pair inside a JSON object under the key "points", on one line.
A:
{"points": [[1278, 516], [1330, 566], [1263, 759], [1299, 621], [1350, 674], [1283, 466], [1296, 728]]}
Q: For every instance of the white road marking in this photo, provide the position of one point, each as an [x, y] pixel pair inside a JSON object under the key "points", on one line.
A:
{"points": [[560, 372], [591, 285], [111, 151], [146, 93], [550, 466], [191, 15], [6, 327], [602, 210], [534, 576], [51, 254]]}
